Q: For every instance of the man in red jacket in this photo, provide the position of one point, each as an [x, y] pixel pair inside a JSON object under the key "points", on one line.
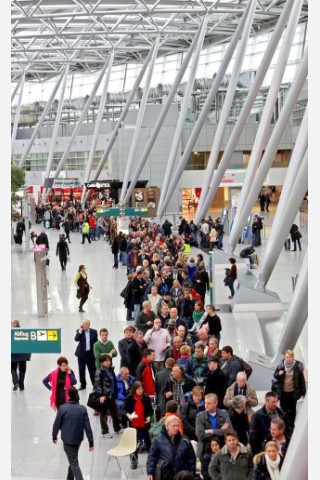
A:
{"points": [[146, 373], [93, 226]]}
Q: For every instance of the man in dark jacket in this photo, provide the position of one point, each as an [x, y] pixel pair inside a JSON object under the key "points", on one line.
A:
{"points": [[197, 365], [135, 352], [86, 337], [124, 343], [146, 372], [230, 364], [72, 419], [166, 227], [260, 424], [161, 379], [216, 380], [170, 444]]}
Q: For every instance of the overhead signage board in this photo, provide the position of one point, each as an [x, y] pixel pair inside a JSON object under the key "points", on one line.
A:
{"points": [[36, 340], [126, 212], [97, 184], [66, 183]]}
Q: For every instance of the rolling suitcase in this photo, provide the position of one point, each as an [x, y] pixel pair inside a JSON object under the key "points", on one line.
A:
{"points": [[287, 244]]}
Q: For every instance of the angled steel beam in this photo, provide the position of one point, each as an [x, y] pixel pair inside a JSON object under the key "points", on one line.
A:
{"points": [[246, 109], [97, 125], [297, 314], [121, 118], [264, 126], [140, 117], [218, 137], [40, 122], [203, 114], [17, 87], [80, 121], [299, 151], [17, 115], [273, 144], [182, 115], [56, 129], [162, 115], [295, 464]]}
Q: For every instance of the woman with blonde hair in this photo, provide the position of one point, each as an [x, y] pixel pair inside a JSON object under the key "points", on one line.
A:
{"points": [[267, 464], [290, 385]]}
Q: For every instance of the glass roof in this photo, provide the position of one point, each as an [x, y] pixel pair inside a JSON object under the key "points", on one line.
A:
{"points": [[48, 34]]}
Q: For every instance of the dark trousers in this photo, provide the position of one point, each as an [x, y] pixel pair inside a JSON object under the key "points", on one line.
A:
{"points": [[114, 413], [295, 244], [67, 232], [18, 378], [85, 236], [289, 405], [63, 262], [84, 298], [89, 362], [74, 471]]}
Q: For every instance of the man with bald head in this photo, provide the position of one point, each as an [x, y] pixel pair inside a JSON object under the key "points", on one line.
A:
{"points": [[174, 316], [86, 337]]}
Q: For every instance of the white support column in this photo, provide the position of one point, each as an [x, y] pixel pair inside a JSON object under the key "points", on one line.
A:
{"points": [[272, 251], [56, 129], [295, 465], [246, 109], [264, 126], [182, 115], [98, 123], [80, 121], [218, 137], [275, 139], [119, 122], [140, 117], [40, 122], [203, 114], [17, 87], [297, 314], [17, 115], [160, 119]]}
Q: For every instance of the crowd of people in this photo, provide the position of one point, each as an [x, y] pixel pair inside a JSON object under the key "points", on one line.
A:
{"points": [[174, 378]]}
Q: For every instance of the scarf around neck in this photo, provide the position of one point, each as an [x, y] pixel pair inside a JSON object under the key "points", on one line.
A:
{"points": [[289, 366], [53, 378], [273, 467]]}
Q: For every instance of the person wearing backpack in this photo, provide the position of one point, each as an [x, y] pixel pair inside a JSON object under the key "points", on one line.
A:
{"points": [[230, 364]]}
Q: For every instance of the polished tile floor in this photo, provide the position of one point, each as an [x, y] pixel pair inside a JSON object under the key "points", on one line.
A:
{"points": [[33, 455]]}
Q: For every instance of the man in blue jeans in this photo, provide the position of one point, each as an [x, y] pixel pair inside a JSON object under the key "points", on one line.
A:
{"points": [[72, 419]]}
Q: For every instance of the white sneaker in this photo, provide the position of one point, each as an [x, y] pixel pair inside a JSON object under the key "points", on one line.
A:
{"points": [[107, 435]]}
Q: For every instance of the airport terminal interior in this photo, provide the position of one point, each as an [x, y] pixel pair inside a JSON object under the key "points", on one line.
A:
{"points": [[156, 110]]}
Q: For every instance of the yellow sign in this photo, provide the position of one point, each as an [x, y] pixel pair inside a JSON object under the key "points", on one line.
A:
{"points": [[53, 335]]}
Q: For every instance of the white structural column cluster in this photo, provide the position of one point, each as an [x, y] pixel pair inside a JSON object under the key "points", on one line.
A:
{"points": [[203, 114], [182, 115], [273, 144], [224, 115], [244, 114], [17, 115], [160, 119], [56, 129], [141, 114], [264, 126], [41, 119], [297, 314], [273, 248], [98, 121], [81, 119], [119, 123]]}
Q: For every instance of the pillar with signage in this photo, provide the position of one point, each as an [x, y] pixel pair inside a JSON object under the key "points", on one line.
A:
{"points": [[41, 280]]}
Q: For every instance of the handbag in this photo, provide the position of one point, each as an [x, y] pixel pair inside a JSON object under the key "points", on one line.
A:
{"points": [[164, 470], [94, 402]]}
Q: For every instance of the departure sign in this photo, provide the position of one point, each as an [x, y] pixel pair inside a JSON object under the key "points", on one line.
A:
{"points": [[36, 340]]}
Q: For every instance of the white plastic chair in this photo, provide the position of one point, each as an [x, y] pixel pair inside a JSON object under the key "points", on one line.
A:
{"points": [[126, 447]]}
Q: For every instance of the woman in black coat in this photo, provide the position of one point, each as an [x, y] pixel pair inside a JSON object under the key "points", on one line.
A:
{"points": [[295, 237], [138, 409], [266, 462], [200, 282], [62, 251], [115, 248]]}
